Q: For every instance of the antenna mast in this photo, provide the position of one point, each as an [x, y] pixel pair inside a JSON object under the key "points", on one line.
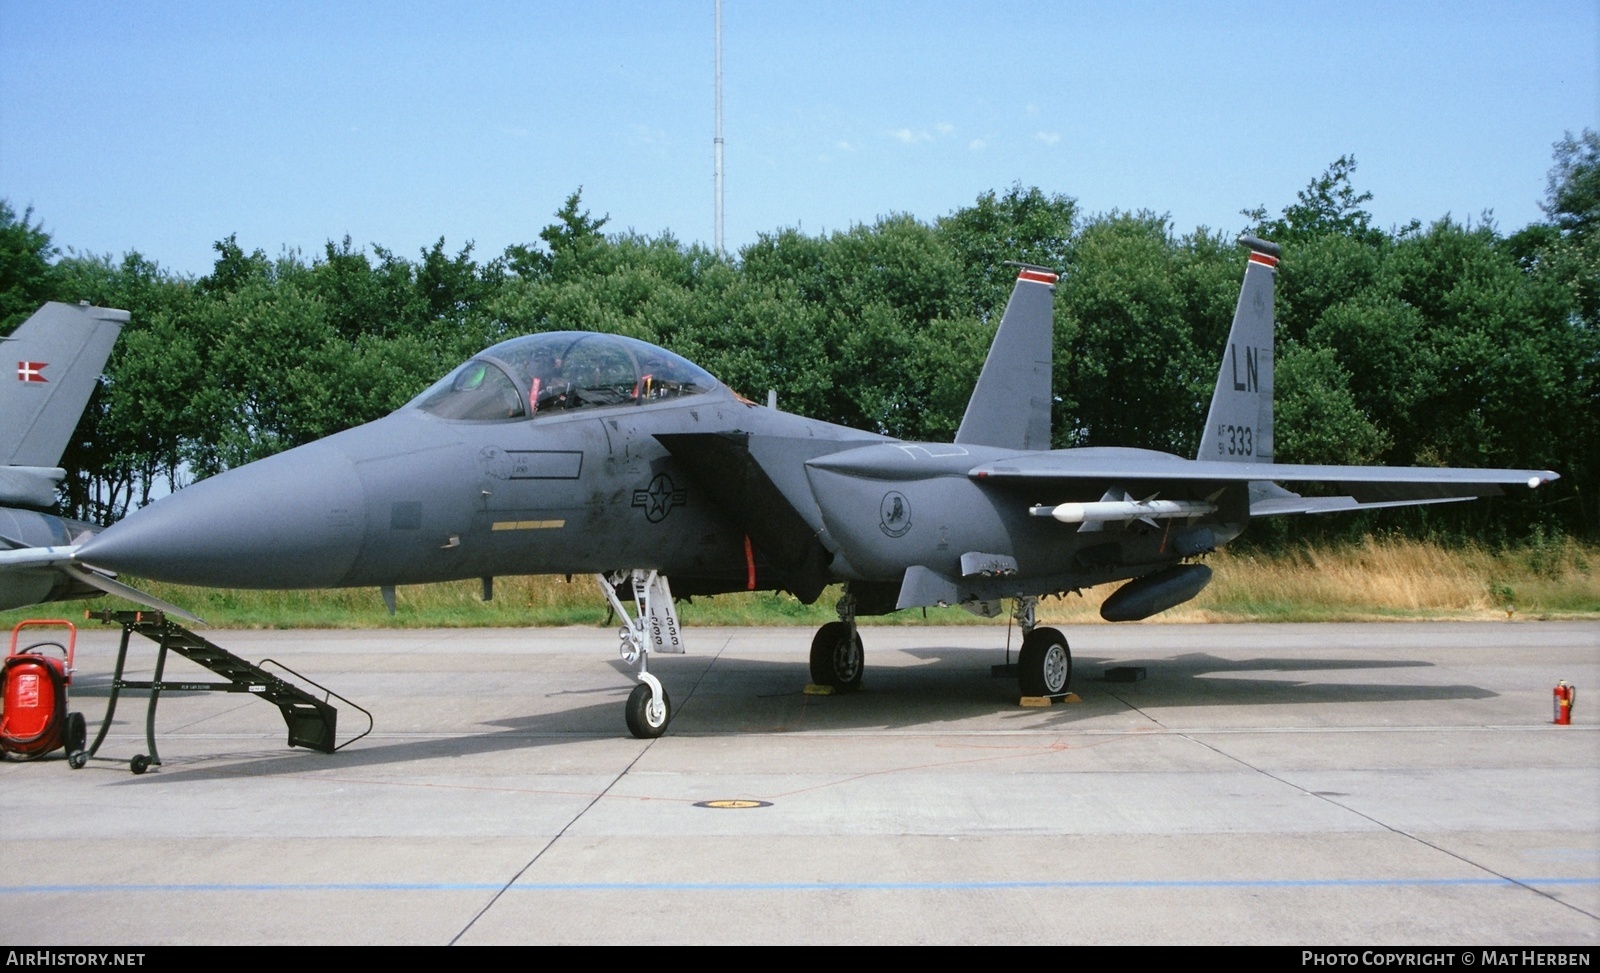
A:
{"points": [[718, 140]]}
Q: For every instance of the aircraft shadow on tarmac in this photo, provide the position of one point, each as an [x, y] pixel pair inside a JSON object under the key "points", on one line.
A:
{"points": [[722, 696], [1199, 679]]}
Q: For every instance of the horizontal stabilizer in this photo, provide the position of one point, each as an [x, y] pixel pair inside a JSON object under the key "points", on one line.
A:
{"points": [[30, 486]]}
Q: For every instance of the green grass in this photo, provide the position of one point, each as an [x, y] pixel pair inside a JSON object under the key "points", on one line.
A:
{"points": [[1374, 580]]}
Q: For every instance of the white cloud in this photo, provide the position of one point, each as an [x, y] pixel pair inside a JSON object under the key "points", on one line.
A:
{"points": [[1048, 138], [648, 135], [977, 145], [909, 137]]}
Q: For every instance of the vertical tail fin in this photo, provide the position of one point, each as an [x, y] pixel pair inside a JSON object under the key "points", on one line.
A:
{"points": [[1010, 405], [58, 355], [1239, 425]]}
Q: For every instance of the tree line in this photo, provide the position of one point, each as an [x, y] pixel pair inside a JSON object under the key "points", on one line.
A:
{"points": [[1450, 343]]}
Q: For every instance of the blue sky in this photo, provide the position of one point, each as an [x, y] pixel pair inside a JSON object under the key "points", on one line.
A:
{"points": [[164, 126]]}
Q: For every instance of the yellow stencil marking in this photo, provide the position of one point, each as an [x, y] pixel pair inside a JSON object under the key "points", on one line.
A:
{"points": [[528, 524]]}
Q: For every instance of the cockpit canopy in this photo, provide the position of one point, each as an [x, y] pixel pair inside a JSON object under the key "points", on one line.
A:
{"points": [[545, 374]]}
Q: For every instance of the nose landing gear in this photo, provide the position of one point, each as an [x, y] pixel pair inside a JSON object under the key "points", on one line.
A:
{"points": [[652, 626]]}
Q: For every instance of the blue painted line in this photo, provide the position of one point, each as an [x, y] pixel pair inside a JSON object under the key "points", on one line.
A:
{"points": [[262, 887], [1287, 883]]}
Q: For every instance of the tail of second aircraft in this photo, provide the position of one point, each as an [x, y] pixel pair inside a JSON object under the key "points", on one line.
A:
{"points": [[1239, 424], [58, 355]]}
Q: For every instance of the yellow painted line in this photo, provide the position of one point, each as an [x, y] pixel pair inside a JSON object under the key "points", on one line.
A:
{"points": [[528, 524]]}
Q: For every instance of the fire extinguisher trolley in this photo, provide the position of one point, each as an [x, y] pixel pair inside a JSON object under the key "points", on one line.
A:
{"points": [[1562, 699], [33, 687]]}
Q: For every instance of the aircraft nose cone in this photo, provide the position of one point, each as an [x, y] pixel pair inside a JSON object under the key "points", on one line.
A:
{"points": [[289, 521]]}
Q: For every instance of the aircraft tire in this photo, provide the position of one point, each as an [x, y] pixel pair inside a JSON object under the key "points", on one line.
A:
{"points": [[1044, 667], [837, 659], [644, 722]]}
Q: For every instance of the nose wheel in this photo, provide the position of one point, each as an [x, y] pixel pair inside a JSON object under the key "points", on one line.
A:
{"points": [[649, 710]]}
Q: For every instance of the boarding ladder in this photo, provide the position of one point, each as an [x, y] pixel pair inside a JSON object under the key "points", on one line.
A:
{"points": [[312, 721]]}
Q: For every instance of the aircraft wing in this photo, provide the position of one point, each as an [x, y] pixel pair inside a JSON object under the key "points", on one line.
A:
{"points": [[62, 559], [1358, 486]]}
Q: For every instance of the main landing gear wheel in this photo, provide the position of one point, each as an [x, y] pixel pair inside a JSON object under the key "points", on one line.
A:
{"points": [[1044, 668], [837, 657], [647, 718]]}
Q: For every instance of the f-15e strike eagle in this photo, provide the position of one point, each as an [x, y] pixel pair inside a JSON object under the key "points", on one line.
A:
{"points": [[581, 453]]}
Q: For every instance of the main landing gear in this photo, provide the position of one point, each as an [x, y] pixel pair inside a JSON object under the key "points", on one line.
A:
{"points": [[653, 626], [1044, 667], [836, 654]]}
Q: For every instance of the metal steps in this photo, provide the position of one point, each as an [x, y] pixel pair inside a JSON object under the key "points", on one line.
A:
{"points": [[312, 721]]}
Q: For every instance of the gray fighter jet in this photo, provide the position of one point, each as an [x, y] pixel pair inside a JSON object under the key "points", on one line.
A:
{"points": [[59, 353], [570, 452]]}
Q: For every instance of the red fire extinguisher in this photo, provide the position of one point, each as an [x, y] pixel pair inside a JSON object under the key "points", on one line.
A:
{"points": [[1562, 698]]}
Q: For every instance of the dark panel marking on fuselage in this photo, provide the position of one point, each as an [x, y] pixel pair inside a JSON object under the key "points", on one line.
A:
{"points": [[545, 464]]}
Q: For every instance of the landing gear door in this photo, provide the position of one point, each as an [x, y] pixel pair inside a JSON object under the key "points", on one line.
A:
{"points": [[665, 633]]}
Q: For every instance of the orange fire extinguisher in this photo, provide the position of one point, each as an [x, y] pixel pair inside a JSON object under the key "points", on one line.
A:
{"points": [[1562, 698]]}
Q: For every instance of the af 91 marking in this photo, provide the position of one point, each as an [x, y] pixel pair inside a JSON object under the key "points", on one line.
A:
{"points": [[1236, 440]]}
